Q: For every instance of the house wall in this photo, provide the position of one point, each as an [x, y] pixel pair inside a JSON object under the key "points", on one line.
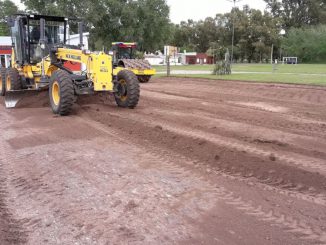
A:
{"points": [[203, 58], [196, 58], [191, 60], [5, 55]]}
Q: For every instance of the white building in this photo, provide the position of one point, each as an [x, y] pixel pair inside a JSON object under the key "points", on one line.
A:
{"points": [[155, 60], [74, 39], [5, 51]]}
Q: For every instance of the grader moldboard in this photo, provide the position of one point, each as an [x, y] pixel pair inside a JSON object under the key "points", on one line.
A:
{"points": [[38, 56], [124, 58]]}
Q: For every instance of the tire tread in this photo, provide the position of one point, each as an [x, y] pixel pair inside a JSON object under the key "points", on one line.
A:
{"points": [[133, 89], [66, 92], [15, 78], [3, 72]]}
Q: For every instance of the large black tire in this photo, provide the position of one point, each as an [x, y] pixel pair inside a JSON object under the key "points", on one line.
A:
{"points": [[144, 79], [3, 81], [13, 80], [61, 93], [127, 95]]}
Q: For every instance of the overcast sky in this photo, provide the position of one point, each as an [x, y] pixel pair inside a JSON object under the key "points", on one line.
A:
{"points": [[200, 9]]}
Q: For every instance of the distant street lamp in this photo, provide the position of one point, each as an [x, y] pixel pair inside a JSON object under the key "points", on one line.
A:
{"points": [[282, 33], [233, 8]]}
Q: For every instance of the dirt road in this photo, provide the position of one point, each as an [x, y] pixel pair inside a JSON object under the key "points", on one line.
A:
{"points": [[198, 162]]}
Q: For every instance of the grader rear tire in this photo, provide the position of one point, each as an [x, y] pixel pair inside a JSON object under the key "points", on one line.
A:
{"points": [[61, 93], [13, 80], [127, 95], [3, 81]]}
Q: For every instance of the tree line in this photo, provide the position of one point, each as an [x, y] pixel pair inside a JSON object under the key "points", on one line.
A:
{"points": [[147, 22]]}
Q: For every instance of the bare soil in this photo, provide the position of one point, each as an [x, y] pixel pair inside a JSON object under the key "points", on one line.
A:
{"points": [[197, 162]]}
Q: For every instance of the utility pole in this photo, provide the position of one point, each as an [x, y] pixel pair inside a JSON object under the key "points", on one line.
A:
{"points": [[272, 51], [233, 21]]}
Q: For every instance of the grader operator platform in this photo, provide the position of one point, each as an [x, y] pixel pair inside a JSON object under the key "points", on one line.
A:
{"points": [[38, 56]]}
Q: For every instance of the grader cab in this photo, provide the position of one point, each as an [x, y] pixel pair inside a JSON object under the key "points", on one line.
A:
{"points": [[38, 56], [124, 56]]}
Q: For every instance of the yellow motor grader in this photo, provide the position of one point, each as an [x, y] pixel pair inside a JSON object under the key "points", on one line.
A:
{"points": [[124, 57], [38, 56]]}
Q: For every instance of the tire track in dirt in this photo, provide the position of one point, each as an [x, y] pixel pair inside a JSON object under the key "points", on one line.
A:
{"points": [[44, 188], [190, 185], [291, 224], [305, 145], [53, 199], [286, 221], [307, 163], [230, 111], [40, 186], [33, 184], [11, 230], [214, 91], [282, 185], [287, 189], [297, 93]]}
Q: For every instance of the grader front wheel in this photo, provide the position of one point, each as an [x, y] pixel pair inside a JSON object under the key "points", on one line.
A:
{"points": [[127, 94], [61, 93], [13, 80]]}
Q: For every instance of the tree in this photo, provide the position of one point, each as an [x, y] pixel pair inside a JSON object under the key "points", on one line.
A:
{"points": [[7, 8], [309, 44], [206, 31], [71, 8], [154, 23], [298, 13], [255, 33], [216, 50], [185, 36], [144, 21]]}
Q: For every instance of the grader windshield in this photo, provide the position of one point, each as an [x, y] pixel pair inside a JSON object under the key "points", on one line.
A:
{"points": [[26, 36], [53, 30]]}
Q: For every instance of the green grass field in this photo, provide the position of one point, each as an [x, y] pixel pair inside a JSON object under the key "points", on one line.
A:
{"points": [[298, 74]]}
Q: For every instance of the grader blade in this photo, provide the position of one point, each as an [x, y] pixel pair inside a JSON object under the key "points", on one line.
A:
{"points": [[13, 97]]}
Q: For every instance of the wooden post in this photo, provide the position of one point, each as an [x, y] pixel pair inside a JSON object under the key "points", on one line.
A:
{"points": [[168, 68], [272, 54]]}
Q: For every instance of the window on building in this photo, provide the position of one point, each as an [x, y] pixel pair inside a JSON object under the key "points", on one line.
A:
{"points": [[3, 60]]}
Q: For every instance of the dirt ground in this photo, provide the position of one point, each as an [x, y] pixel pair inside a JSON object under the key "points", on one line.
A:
{"points": [[197, 162]]}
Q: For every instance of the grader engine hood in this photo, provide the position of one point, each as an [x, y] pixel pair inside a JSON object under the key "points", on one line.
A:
{"points": [[99, 66]]}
